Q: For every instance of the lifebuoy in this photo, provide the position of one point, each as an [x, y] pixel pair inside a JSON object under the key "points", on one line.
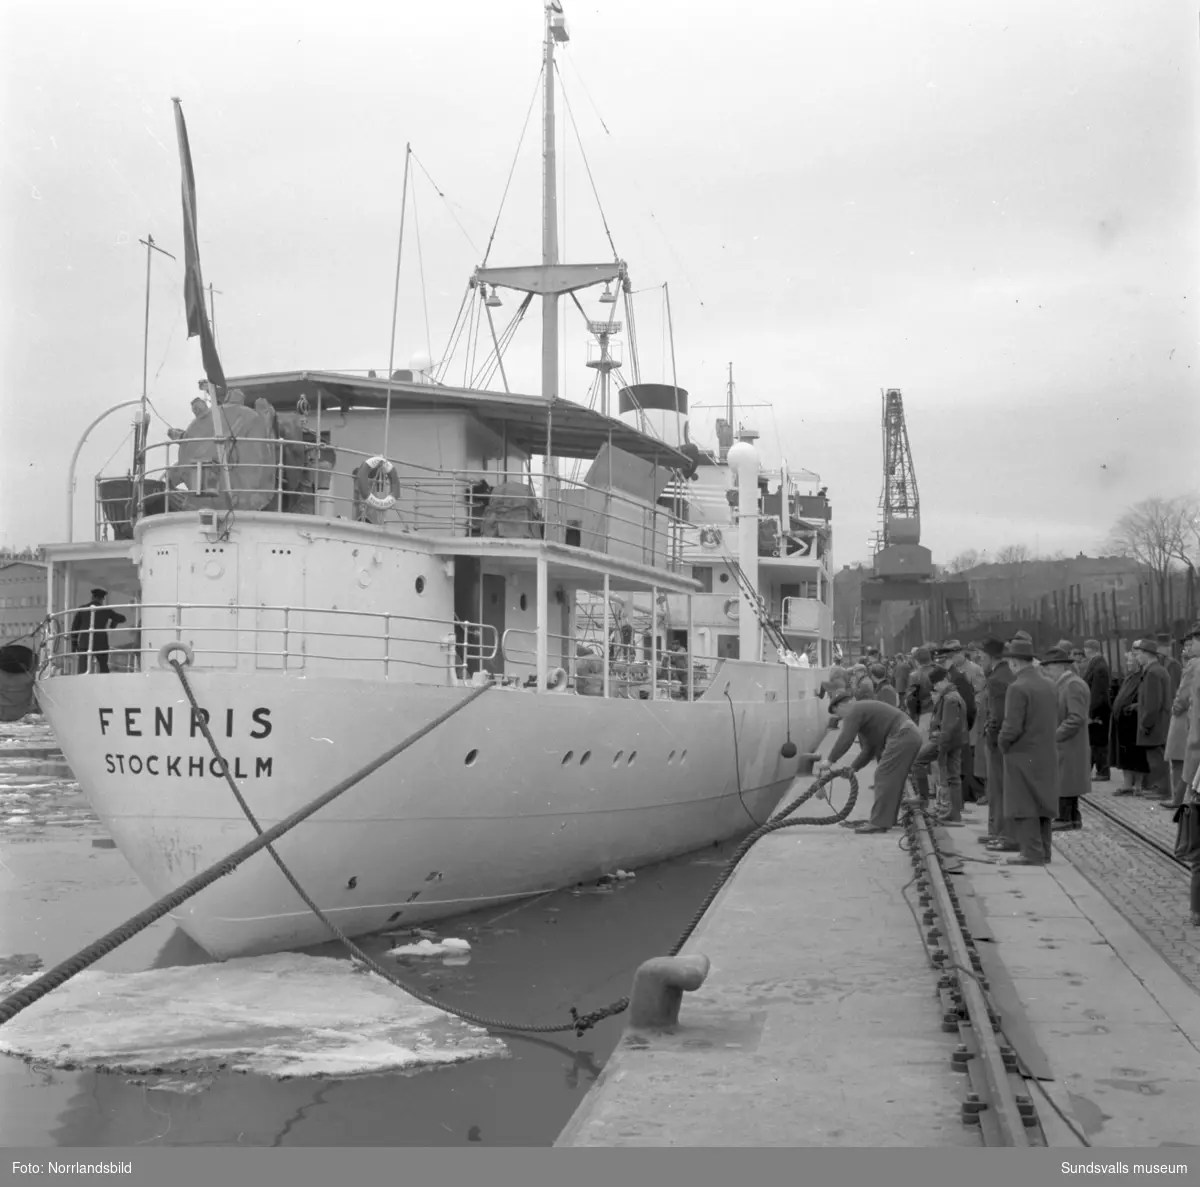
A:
{"points": [[556, 680], [168, 649], [732, 607], [710, 537], [366, 477]]}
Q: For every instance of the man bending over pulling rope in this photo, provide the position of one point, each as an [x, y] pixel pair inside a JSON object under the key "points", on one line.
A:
{"points": [[884, 733]]}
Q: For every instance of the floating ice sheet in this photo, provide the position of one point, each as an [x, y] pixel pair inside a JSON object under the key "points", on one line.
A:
{"points": [[283, 1016], [429, 947]]}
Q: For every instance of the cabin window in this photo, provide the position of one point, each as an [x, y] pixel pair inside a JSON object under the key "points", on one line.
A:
{"points": [[703, 574], [728, 647]]}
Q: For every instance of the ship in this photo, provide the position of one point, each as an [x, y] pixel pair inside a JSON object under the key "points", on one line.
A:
{"points": [[328, 561]]}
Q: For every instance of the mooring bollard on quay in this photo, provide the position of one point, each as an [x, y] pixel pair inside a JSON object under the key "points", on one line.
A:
{"points": [[658, 988]]}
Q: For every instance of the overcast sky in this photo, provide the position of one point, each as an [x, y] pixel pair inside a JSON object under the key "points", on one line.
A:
{"points": [[991, 207]]}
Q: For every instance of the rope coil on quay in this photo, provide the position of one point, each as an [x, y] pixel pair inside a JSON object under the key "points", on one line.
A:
{"points": [[580, 1022]]}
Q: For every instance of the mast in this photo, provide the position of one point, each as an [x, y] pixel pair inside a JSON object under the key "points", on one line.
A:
{"points": [[729, 398], [550, 212], [551, 279]]}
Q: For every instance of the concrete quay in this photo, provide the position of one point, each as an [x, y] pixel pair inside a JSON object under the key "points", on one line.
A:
{"points": [[819, 1024], [1091, 1006]]}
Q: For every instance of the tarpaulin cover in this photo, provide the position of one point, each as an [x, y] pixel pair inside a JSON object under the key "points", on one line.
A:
{"points": [[252, 461]]}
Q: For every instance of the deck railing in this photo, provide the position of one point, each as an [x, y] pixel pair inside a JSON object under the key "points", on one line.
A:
{"points": [[629, 676], [510, 504], [287, 639]]}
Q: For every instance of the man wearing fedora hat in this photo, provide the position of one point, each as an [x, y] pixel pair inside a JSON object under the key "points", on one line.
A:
{"points": [[1098, 679], [883, 733], [1026, 740], [89, 632], [1070, 739], [1153, 716]]}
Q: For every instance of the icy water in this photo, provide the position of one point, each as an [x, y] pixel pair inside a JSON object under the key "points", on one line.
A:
{"points": [[62, 884]]}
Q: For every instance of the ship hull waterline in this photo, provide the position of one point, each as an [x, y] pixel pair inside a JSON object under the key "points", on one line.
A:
{"points": [[516, 795]]}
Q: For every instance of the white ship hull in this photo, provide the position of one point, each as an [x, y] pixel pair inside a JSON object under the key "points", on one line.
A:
{"points": [[519, 794]]}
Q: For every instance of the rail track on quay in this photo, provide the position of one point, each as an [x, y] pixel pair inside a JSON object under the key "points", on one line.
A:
{"points": [[1130, 827], [997, 1100]]}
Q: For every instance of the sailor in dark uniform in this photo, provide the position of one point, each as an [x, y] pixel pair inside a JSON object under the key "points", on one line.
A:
{"points": [[89, 631]]}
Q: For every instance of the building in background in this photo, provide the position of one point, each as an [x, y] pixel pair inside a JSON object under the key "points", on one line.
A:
{"points": [[22, 598]]}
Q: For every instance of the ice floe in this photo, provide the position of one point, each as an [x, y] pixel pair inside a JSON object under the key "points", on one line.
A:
{"points": [[283, 1016], [427, 947]]}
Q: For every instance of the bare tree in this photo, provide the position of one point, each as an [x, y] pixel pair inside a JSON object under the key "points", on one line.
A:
{"points": [[1014, 554], [963, 561], [1189, 546], [1154, 533]]}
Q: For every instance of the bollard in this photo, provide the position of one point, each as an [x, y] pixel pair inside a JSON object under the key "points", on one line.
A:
{"points": [[658, 987]]}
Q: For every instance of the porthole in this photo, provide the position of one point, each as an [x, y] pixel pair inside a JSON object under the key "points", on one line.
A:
{"points": [[420, 584], [586, 755], [472, 755], [632, 756], [724, 577], [617, 757], [524, 602], [570, 754]]}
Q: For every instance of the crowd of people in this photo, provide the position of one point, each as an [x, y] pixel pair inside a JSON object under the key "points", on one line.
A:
{"points": [[1025, 734]]}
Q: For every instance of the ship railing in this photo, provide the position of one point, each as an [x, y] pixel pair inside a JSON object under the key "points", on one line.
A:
{"points": [[288, 639], [629, 673], [307, 479]]}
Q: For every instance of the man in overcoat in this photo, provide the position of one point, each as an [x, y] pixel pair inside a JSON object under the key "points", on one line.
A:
{"points": [[1099, 680], [1153, 716], [1071, 737], [999, 676], [1026, 740]]}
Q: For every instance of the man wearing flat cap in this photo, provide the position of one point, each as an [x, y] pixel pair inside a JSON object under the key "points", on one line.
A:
{"points": [[1153, 716], [1071, 738], [968, 681], [1030, 760], [1099, 681], [919, 697], [999, 676], [882, 733], [1166, 655], [89, 632]]}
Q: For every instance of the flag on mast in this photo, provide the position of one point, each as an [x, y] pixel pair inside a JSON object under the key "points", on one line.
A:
{"points": [[193, 284]]}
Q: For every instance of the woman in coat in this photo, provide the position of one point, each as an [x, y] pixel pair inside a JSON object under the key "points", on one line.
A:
{"points": [[1189, 698], [1177, 735], [1123, 751]]}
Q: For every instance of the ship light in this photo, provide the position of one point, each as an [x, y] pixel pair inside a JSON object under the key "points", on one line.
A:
{"points": [[492, 301], [608, 297]]}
